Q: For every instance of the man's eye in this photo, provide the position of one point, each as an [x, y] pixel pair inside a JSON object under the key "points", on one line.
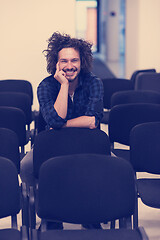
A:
{"points": [[75, 60], [63, 61]]}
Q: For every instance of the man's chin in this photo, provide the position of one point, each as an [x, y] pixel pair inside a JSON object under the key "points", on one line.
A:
{"points": [[70, 79]]}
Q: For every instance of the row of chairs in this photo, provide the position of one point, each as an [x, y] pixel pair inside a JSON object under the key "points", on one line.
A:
{"points": [[19, 94], [141, 81], [80, 182], [16, 101]]}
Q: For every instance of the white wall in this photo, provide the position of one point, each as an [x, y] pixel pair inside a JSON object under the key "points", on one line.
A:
{"points": [[142, 35], [131, 37], [25, 27], [112, 31], [109, 30]]}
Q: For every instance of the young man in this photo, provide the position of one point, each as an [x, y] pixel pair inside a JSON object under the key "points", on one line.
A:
{"points": [[71, 96]]}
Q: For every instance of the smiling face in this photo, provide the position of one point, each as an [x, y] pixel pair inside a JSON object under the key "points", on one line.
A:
{"points": [[69, 62]]}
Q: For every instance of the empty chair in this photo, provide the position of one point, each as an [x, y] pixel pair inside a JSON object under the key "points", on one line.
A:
{"points": [[9, 146], [66, 141], [144, 157], [83, 189], [137, 72], [14, 119], [17, 85], [11, 201], [112, 85], [18, 100], [139, 96], [124, 117], [148, 81], [21, 86]]}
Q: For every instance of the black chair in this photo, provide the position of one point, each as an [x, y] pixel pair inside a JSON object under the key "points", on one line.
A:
{"points": [[66, 141], [137, 72], [14, 119], [21, 86], [83, 189], [148, 81], [112, 85], [9, 146], [17, 85], [144, 157], [40, 123], [18, 100], [132, 96], [123, 118], [11, 201]]}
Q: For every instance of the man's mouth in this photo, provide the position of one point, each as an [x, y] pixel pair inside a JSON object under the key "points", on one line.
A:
{"points": [[70, 72]]}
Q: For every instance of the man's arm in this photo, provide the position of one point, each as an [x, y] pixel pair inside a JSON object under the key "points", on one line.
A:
{"points": [[47, 93], [83, 121], [61, 103]]}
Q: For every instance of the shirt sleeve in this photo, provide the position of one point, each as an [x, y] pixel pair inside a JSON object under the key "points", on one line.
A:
{"points": [[95, 106], [47, 96]]}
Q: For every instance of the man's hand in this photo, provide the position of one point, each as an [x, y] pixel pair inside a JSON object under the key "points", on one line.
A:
{"points": [[60, 75]]}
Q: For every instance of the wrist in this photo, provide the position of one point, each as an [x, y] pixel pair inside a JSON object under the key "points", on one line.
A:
{"points": [[65, 84]]}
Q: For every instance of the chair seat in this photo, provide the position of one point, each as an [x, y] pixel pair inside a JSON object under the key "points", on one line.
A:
{"points": [[111, 234], [123, 153], [149, 191], [10, 234]]}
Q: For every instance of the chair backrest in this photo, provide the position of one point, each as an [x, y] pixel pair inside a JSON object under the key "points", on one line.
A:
{"points": [[14, 119], [124, 117], [41, 124], [112, 85], [137, 72], [18, 100], [132, 96], [17, 85], [9, 189], [9, 146], [145, 147], [148, 81], [68, 141], [86, 188]]}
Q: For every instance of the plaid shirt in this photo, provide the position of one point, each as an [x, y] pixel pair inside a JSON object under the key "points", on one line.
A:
{"points": [[87, 100]]}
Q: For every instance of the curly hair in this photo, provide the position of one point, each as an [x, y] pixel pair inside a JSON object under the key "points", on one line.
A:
{"points": [[59, 41]]}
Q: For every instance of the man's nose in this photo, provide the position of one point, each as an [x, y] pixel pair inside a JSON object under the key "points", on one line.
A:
{"points": [[69, 65]]}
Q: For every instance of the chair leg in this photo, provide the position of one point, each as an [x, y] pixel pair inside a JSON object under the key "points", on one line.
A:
{"points": [[135, 215], [32, 211], [14, 221], [122, 223], [25, 205], [112, 225]]}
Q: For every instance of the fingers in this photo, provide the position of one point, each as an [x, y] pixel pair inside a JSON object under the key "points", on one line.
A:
{"points": [[60, 74]]}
